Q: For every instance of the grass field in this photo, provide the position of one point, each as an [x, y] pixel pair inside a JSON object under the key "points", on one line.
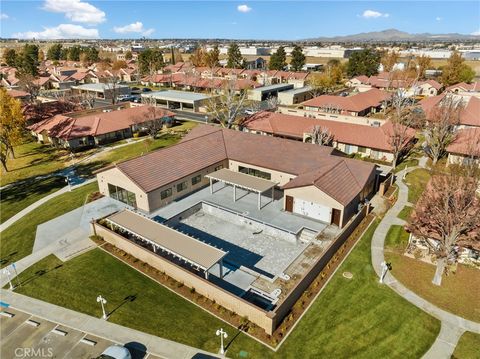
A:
{"points": [[468, 347], [17, 197], [459, 291], [356, 317], [416, 181], [17, 240], [405, 213]]}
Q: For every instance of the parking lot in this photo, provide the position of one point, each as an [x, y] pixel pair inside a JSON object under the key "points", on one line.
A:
{"points": [[26, 336]]}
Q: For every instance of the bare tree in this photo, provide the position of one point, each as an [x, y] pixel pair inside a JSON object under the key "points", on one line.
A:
{"points": [[150, 121], [448, 216], [321, 136], [441, 126], [112, 83], [29, 84], [229, 105], [403, 118]]}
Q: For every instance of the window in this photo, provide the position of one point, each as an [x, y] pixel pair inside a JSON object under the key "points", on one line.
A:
{"points": [[181, 186], [254, 172], [196, 179], [122, 195], [362, 149], [166, 193], [218, 167]]}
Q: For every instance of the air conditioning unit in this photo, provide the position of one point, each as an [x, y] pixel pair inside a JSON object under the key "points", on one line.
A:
{"points": [[376, 124]]}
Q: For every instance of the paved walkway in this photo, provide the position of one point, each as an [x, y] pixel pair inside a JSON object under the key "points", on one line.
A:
{"points": [[38, 203], [101, 328], [453, 326]]}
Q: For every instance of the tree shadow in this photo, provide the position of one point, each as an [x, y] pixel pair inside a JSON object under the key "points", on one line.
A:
{"points": [[8, 258]]}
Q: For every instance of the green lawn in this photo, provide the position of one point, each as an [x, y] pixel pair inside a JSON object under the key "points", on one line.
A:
{"points": [[19, 196], [416, 181], [33, 159], [17, 240], [405, 213], [459, 290], [468, 347], [408, 162], [356, 317]]}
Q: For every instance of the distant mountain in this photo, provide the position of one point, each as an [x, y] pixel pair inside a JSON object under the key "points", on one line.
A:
{"points": [[395, 35]]}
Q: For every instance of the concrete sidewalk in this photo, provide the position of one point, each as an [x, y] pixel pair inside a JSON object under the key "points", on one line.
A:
{"points": [[101, 328], [453, 326]]}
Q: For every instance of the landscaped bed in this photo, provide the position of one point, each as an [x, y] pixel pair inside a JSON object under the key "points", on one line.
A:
{"points": [[351, 317], [459, 291]]}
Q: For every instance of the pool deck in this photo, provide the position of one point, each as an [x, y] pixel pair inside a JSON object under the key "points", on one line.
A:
{"points": [[271, 213]]}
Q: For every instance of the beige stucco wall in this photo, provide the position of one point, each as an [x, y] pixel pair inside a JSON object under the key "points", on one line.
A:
{"points": [[280, 177], [115, 177], [384, 156], [227, 300], [154, 197]]}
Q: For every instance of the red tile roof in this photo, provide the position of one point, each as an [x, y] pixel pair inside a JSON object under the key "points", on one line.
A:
{"points": [[355, 103], [207, 145], [68, 127], [348, 133], [467, 143], [17, 93], [469, 116], [471, 87]]}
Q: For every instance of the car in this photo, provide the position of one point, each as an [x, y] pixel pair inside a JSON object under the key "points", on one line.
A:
{"points": [[122, 98], [115, 352], [146, 89]]}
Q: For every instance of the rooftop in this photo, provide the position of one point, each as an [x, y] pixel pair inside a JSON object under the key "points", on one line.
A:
{"points": [[97, 87], [173, 95], [242, 180], [273, 87]]}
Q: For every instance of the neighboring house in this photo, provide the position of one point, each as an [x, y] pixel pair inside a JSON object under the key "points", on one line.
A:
{"points": [[426, 88], [19, 95], [350, 138], [466, 147], [469, 115], [464, 89], [360, 104], [295, 96], [314, 182], [258, 64], [85, 129]]}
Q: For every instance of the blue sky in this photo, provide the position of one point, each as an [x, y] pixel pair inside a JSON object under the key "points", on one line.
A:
{"points": [[288, 20]]}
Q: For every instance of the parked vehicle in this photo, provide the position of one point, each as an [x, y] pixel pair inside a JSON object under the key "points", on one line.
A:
{"points": [[146, 89], [115, 352], [122, 98]]}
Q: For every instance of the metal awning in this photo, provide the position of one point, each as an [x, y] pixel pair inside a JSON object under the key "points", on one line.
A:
{"points": [[168, 239], [242, 180]]}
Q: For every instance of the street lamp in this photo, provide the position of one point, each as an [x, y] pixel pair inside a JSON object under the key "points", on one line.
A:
{"points": [[67, 179], [222, 335], [6, 271], [102, 301]]}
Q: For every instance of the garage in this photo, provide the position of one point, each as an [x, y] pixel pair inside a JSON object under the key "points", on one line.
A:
{"points": [[312, 210]]}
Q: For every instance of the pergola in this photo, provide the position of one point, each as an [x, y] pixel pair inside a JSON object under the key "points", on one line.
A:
{"points": [[193, 251], [242, 180]]}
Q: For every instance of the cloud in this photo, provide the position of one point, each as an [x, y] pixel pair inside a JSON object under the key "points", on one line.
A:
{"points": [[136, 27], [476, 33], [76, 11], [244, 8], [438, 18], [372, 14], [3, 16], [62, 31]]}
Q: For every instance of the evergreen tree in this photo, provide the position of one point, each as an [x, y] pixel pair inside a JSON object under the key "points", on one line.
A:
{"points": [[234, 57], [150, 61], [213, 57], [363, 62], [128, 55], [298, 59], [456, 70], [27, 62], [54, 52], [74, 53], [10, 57], [278, 60]]}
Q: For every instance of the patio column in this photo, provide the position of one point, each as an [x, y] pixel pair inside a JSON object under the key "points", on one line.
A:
{"points": [[221, 268], [211, 185], [234, 193], [273, 194], [206, 274], [259, 200]]}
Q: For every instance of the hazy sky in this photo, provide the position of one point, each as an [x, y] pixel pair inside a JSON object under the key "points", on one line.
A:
{"points": [[287, 20]]}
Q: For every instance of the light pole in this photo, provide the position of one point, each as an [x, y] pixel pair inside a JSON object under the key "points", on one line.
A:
{"points": [[102, 301], [67, 179], [7, 273], [222, 335]]}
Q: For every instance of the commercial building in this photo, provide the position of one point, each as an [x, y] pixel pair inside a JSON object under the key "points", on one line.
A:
{"points": [[265, 92], [295, 96]]}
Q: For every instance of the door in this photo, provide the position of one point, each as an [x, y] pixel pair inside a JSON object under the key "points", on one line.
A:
{"points": [[289, 203], [336, 214], [312, 210]]}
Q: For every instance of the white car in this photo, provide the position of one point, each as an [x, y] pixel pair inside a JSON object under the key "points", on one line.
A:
{"points": [[115, 352]]}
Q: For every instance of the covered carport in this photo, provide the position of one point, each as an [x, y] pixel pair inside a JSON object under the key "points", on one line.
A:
{"points": [[162, 238], [242, 180]]}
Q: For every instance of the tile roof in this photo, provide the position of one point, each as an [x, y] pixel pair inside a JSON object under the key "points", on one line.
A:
{"points": [[355, 103], [207, 145], [471, 87], [469, 115], [348, 133], [68, 127], [467, 142]]}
